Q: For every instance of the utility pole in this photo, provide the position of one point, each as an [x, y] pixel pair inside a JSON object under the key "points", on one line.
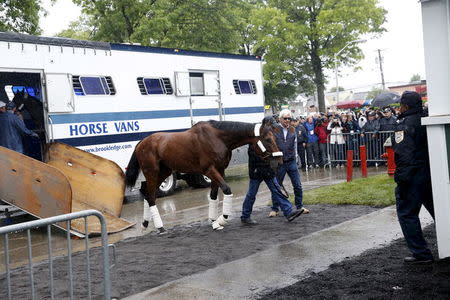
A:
{"points": [[380, 60]]}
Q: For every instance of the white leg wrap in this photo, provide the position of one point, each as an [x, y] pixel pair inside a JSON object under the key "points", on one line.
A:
{"points": [[156, 217], [213, 212], [147, 213], [221, 220], [227, 205], [219, 223]]}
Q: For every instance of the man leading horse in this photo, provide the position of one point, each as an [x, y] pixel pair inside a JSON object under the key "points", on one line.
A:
{"points": [[205, 149]]}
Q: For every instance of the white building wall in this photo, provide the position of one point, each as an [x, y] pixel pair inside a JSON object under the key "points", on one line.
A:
{"points": [[436, 29]]}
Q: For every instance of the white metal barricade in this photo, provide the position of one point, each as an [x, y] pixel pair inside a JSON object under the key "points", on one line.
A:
{"points": [[374, 141], [48, 222]]}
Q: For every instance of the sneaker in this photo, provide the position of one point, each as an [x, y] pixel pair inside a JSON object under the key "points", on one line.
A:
{"points": [[248, 221], [411, 260], [305, 210], [273, 214], [295, 214]]}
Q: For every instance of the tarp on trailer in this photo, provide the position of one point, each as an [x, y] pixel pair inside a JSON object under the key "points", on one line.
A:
{"points": [[15, 37]]}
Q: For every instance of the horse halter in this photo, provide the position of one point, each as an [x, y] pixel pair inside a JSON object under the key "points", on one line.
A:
{"points": [[261, 146]]}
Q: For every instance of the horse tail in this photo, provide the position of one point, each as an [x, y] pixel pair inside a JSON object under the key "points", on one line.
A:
{"points": [[132, 171]]}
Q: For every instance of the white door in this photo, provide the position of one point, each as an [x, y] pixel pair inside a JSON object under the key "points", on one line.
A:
{"points": [[205, 96], [203, 89], [59, 93]]}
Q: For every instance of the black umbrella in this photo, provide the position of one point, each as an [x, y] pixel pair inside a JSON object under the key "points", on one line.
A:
{"points": [[385, 99]]}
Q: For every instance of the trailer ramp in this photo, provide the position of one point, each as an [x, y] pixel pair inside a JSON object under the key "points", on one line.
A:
{"points": [[70, 180]]}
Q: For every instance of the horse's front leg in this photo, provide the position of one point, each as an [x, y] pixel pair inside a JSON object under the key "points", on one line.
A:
{"points": [[218, 181], [213, 202]]}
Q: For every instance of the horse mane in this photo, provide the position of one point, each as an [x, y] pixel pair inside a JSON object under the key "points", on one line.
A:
{"points": [[231, 126]]}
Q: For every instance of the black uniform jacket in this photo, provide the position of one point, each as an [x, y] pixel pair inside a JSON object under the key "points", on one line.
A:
{"points": [[410, 146], [257, 167]]}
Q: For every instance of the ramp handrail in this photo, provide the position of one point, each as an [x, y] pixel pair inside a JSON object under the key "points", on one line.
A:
{"points": [[4, 231]]}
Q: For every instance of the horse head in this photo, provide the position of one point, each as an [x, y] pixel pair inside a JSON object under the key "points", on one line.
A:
{"points": [[266, 146]]}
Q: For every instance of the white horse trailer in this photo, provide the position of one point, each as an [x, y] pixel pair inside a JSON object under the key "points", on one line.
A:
{"points": [[104, 97]]}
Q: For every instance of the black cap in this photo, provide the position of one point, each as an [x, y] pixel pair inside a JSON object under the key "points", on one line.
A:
{"points": [[412, 99], [268, 120], [10, 105]]}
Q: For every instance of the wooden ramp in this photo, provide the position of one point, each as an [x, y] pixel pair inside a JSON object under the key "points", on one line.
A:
{"points": [[96, 182], [70, 180], [33, 186]]}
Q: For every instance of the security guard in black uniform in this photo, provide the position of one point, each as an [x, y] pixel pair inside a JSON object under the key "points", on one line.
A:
{"points": [[412, 176]]}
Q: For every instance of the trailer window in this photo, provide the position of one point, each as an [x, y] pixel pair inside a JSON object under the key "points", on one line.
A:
{"points": [[154, 86], [244, 86], [197, 84], [93, 85]]}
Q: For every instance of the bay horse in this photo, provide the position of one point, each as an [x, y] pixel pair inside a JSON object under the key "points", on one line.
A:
{"points": [[33, 106], [205, 149]]}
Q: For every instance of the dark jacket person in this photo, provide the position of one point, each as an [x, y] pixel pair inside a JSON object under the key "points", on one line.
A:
{"points": [[412, 175], [12, 128]]}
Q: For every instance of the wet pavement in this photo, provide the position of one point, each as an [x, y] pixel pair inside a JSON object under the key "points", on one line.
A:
{"points": [[286, 264], [187, 205]]}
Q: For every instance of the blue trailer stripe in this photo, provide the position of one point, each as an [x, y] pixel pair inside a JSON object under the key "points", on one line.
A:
{"points": [[110, 139], [139, 115]]}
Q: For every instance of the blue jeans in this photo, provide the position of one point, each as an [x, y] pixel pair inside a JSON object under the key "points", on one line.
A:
{"points": [[274, 188], [291, 169]]}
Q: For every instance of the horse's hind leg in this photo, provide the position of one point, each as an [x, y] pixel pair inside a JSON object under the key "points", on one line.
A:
{"points": [[150, 208]]}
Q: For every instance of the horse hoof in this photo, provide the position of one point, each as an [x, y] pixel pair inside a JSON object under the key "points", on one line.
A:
{"points": [[145, 224], [216, 226], [161, 231]]}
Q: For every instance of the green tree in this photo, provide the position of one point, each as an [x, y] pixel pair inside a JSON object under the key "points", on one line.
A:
{"points": [[321, 28], [21, 16], [189, 24], [415, 77], [375, 91], [333, 89], [115, 20], [80, 30]]}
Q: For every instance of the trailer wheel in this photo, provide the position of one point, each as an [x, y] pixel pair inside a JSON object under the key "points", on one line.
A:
{"points": [[167, 187], [198, 180]]}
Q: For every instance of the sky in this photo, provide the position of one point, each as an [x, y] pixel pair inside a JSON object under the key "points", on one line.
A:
{"points": [[401, 46]]}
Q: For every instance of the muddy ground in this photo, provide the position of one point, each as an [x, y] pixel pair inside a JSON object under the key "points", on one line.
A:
{"points": [[148, 261], [376, 274]]}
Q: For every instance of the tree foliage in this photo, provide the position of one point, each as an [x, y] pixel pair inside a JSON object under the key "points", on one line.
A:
{"points": [[21, 16], [375, 91], [297, 39], [415, 77], [324, 27]]}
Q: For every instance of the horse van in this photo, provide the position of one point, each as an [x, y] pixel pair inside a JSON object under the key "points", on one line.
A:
{"points": [[104, 98]]}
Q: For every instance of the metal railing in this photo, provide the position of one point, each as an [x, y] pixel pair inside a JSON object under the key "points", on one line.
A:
{"points": [[48, 222], [338, 144]]}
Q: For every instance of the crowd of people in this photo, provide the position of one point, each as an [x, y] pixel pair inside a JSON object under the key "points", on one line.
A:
{"points": [[323, 139], [409, 140]]}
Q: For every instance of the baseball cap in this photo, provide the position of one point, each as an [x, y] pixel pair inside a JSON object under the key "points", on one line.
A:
{"points": [[412, 99], [10, 105]]}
